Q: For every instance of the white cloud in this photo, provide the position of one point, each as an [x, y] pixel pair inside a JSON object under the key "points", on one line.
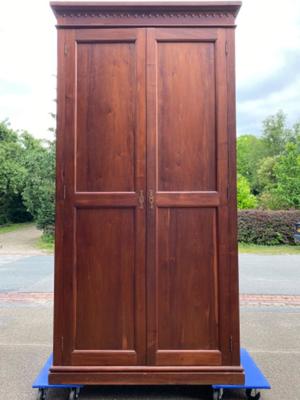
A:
{"points": [[28, 49], [266, 32]]}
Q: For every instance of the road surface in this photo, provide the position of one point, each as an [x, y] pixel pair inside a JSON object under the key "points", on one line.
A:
{"points": [[259, 274]]}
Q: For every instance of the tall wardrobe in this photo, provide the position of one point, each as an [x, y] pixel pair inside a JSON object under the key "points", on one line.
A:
{"points": [[146, 273]]}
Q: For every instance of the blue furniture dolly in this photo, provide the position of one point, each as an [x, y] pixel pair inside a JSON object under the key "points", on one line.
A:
{"points": [[41, 383], [254, 380]]}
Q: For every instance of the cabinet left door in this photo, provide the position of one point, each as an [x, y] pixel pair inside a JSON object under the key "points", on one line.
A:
{"points": [[99, 311]]}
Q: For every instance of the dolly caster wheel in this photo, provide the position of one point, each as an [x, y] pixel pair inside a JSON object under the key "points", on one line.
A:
{"points": [[74, 394], [250, 396], [42, 394], [218, 394]]}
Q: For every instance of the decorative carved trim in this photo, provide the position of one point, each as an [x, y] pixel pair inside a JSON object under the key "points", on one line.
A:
{"points": [[147, 14]]}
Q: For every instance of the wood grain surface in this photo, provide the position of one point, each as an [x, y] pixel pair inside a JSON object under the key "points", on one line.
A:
{"points": [[146, 277]]}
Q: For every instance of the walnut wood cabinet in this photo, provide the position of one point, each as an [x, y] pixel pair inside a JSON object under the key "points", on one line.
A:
{"points": [[146, 277]]}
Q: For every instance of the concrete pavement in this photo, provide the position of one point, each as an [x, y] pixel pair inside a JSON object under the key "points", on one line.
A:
{"points": [[265, 274], [26, 274], [259, 274], [271, 334]]}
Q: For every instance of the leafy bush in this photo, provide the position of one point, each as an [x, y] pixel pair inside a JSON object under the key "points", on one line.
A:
{"points": [[245, 199], [267, 227], [27, 176], [250, 151], [271, 163], [12, 177], [39, 189]]}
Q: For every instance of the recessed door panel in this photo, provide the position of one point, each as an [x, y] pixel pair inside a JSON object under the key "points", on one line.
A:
{"points": [[105, 265], [187, 274], [186, 116], [106, 98]]}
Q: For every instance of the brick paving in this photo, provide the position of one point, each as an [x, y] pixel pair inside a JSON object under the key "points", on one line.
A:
{"points": [[269, 300], [26, 297], [245, 299]]}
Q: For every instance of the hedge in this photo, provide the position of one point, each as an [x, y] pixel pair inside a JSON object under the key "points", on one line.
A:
{"points": [[267, 227]]}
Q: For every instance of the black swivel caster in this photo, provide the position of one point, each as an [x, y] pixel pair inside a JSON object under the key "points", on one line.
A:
{"points": [[217, 394], [74, 393], [42, 393], [250, 396]]}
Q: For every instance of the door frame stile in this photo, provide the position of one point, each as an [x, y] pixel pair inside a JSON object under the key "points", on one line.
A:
{"points": [[151, 185]]}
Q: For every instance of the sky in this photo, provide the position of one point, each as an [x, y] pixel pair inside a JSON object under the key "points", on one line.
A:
{"points": [[267, 64]]}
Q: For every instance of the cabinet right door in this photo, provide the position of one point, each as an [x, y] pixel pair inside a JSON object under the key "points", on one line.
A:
{"points": [[192, 301]]}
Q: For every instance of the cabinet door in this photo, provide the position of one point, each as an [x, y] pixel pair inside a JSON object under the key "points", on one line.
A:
{"points": [[190, 263], [100, 247]]}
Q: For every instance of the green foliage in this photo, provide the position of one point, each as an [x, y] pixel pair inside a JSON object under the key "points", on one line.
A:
{"points": [[46, 242], [245, 199], [281, 188], [268, 250], [267, 227], [27, 168], [271, 164], [39, 190], [14, 227], [287, 172], [250, 151], [268, 173], [266, 177], [12, 177], [276, 134]]}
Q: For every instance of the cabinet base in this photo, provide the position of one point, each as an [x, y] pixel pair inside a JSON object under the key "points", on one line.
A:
{"points": [[65, 375]]}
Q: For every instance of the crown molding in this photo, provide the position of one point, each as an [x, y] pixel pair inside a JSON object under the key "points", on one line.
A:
{"points": [[145, 14]]}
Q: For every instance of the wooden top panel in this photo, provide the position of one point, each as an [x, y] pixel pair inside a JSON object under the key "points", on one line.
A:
{"points": [[82, 14]]}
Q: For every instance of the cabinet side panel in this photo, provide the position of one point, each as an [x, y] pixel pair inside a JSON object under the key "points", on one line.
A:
{"points": [[63, 293], [232, 231]]}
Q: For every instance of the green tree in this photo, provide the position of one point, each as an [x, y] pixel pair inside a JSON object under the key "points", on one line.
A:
{"points": [[287, 173], [266, 177], [39, 190], [276, 134], [27, 169], [250, 152], [245, 199], [12, 177]]}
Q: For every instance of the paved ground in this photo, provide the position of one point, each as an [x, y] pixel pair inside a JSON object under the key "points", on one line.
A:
{"points": [[270, 325], [266, 274], [21, 241], [270, 334], [26, 274], [276, 275]]}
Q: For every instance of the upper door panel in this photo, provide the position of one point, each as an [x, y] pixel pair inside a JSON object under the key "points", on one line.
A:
{"points": [[106, 116], [186, 105]]}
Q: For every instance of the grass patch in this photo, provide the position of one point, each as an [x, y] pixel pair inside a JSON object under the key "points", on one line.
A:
{"points": [[260, 249], [14, 227], [46, 242]]}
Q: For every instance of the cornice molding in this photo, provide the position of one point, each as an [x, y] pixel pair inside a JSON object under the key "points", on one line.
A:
{"points": [[73, 14], [146, 14]]}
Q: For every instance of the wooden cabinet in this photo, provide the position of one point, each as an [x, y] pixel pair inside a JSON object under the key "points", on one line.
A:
{"points": [[146, 278]]}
